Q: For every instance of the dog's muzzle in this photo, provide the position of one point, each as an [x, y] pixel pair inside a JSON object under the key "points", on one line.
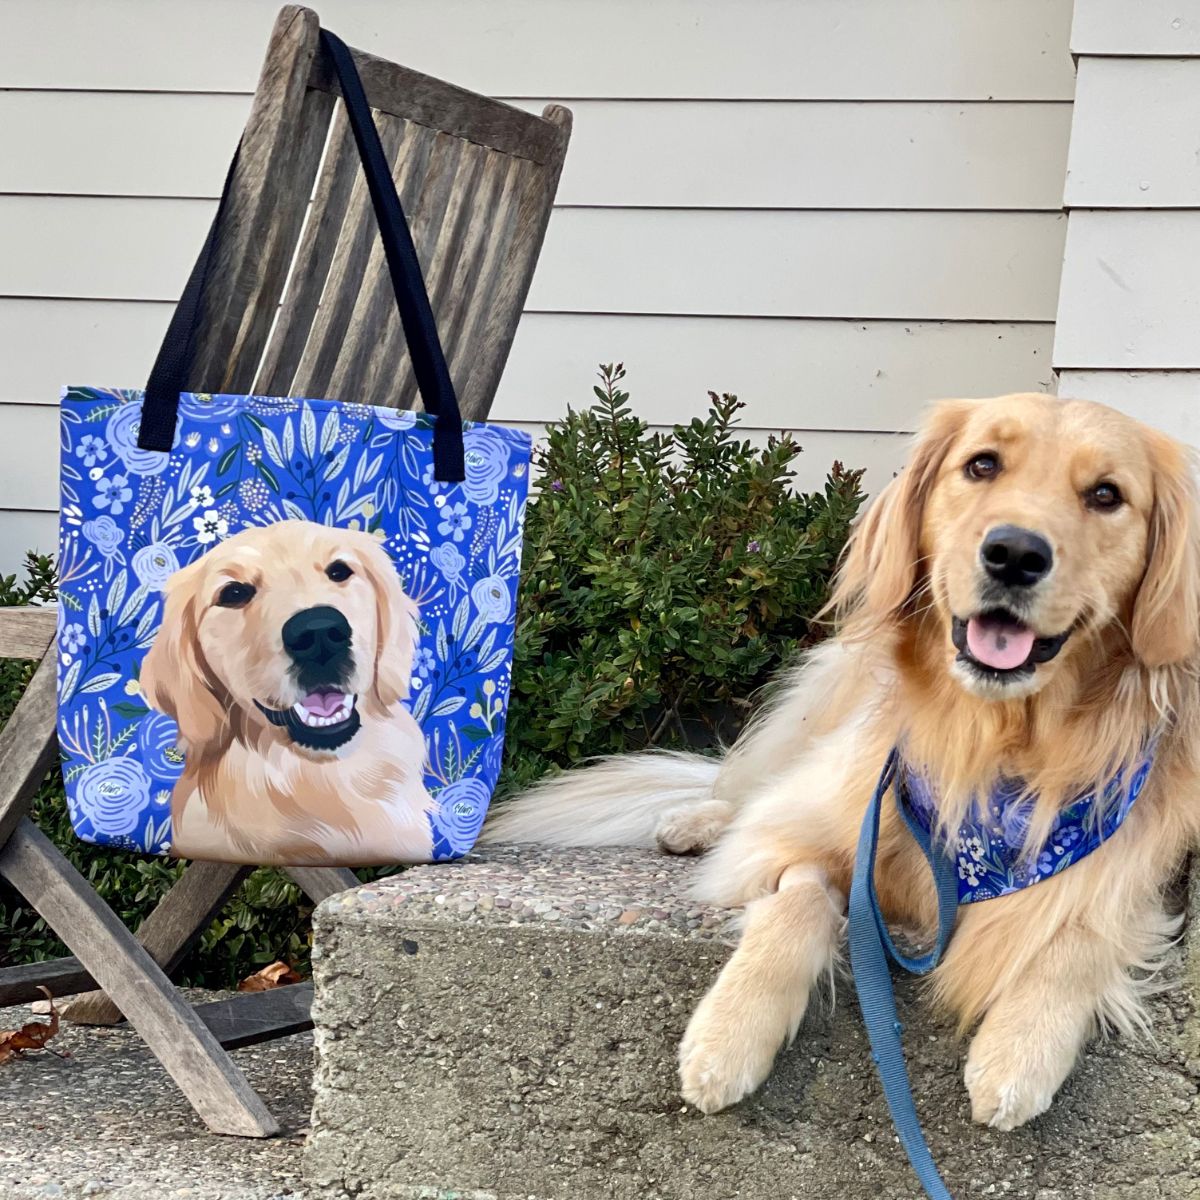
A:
{"points": [[1001, 646], [322, 720], [318, 642]]}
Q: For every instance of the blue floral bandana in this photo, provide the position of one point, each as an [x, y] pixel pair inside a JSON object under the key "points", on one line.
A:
{"points": [[989, 843]]}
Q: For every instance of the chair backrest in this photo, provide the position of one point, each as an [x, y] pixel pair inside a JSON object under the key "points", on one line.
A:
{"points": [[301, 302]]}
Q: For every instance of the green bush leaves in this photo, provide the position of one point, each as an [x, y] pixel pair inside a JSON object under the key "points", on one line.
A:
{"points": [[665, 577]]}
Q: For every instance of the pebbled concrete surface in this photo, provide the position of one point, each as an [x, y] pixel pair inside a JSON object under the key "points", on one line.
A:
{"points": [[507, 1029], [107, 1122]]}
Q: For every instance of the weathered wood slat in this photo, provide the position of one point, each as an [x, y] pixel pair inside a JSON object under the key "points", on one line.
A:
{"points": [[68, 977], [262, 201], [440, 252], [62, 976], [170, 931], [493, 195], [28, 746], [489, 352], [274, 260], [406, 93], [26, 632], [314, 258], [506, 296], [254, 1017], [423, 195], [177, 1037], [319, 883], [406, 148]]}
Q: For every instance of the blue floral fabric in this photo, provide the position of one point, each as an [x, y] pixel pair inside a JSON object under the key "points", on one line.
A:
{"points": [[132, 517], [989, 845]]}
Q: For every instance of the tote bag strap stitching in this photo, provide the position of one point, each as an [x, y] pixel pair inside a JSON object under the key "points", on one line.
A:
{"points": [[171, 371]]}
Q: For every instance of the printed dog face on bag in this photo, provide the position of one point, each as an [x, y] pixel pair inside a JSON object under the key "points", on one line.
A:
{"points": [[284, 641], [283, 657]]}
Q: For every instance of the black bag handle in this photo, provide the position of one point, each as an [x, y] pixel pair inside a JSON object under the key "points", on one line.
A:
{"points": [[173, 366]]}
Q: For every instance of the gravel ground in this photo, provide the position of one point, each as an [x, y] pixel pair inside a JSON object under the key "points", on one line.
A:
{"points": [[107, 1121]]}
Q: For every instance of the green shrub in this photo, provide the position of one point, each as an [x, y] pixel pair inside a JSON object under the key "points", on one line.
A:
{"points": [[665, 578]]}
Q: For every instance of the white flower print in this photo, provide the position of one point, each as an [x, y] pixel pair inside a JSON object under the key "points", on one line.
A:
{"points": [[972, 846], [202, 494], [210, 527], [969, 870]]}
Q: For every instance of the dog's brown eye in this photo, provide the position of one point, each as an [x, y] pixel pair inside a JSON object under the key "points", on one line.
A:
{"points": [[982, 466], [337, 571], [235, 595], [1104, 496]]}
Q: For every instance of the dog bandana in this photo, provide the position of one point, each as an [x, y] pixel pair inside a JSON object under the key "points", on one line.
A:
{"points": [[988, 846]]}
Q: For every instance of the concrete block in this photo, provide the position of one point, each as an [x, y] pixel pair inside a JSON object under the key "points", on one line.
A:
{"points": [[506, 1028]]}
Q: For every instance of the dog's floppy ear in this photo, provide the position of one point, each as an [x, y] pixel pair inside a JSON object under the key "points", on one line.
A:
{"points": [[881, 568], [396, 616], [1166, 611], [174, 677]]}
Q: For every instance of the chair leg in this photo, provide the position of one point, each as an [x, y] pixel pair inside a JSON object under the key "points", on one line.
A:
{"points": [[184, 913], [206, 1075], [170, 931], [28, 746], [319, 883]]}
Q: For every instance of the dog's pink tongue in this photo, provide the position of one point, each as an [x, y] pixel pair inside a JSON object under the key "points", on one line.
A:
{"points": [[998, 643], [323, 704]]}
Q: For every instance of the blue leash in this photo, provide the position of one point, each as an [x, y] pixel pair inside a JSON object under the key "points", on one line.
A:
{"points": [[870, 947]]}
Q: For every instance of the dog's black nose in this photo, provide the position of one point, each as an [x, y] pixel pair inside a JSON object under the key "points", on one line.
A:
{"points": [[317, 637], [1016, 557]]}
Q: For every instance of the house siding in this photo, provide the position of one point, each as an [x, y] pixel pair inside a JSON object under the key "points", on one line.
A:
{"points": [[1128, 330], [837, 209]]}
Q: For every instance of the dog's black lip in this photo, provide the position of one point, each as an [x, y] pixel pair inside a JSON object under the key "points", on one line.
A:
{"points": [[324, 737], [1043, 650]]}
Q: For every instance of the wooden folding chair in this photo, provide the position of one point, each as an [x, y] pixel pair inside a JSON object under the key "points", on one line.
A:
{"points": [[304, 308]]}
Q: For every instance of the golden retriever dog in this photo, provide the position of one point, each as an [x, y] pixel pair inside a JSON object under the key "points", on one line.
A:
{"points": [[284, 655], [1020, 602]]}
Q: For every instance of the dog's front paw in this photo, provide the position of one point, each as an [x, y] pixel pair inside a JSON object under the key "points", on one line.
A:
{"points": [[722, 1057], [1011, 1085], [693, 828]]}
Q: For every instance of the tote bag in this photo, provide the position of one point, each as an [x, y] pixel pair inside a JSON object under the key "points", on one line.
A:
{"points": [[286, 625]]}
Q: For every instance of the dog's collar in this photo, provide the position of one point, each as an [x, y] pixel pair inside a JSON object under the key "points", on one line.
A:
{"points": [[988, 847]]}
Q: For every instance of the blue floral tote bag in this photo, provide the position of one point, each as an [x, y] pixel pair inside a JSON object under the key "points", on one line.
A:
{"points": [[286, 625]]}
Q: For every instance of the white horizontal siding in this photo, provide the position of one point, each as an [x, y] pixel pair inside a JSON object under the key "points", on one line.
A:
{"points": [[837, 209], [658, 154], [1128, 329], [1130, 290], [1136, 27], [747, 49], [895, 265], [1136, 142], [865, 375], [1169, 400], [21, 531]]}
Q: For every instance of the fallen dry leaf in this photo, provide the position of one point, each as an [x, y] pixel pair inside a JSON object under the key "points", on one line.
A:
{"points": [[278, 974], [34, 1036]]}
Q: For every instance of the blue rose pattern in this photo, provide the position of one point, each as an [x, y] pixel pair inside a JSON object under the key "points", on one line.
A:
{"points": [[461, 809], [990, 844], [132, 517], [110, 796]]}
